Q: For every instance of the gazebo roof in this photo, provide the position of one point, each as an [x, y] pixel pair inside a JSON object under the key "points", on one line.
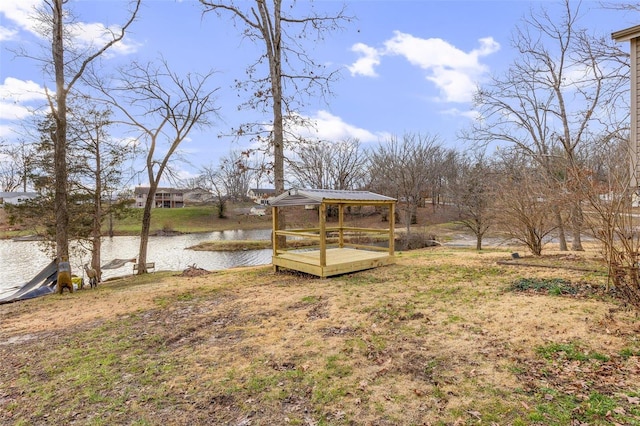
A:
{"points": [[301, 197]]}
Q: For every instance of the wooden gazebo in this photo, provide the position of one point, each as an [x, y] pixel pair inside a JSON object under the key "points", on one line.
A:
{"points": [[342, 256]]}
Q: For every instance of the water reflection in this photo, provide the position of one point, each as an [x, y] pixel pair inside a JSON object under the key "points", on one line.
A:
{"points": [[21, 261]]}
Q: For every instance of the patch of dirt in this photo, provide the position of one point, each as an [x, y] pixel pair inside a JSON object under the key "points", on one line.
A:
{"points": [[194, 271], [337, 331], [318, 311]]}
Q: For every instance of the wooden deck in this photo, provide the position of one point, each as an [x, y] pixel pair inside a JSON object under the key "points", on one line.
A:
{"points": [[339, 261]]}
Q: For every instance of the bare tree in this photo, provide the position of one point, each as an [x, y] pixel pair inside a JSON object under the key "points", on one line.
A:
{"points": [[330, 165], [523, 201], [237, 175], [606, 186], [563, 85], [443, 168], [212, 178], [291, 72], [15, 163], [472, 192], [402, 171], [163, 108], [68, 63]]}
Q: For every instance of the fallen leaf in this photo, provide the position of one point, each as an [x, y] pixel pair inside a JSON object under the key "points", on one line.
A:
{"points": [[474, 413]]}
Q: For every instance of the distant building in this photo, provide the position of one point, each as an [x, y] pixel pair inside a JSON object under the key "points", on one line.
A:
{"points": [[262, 196], [197, 196], [258, 211], [165, 198], [16, 197]]}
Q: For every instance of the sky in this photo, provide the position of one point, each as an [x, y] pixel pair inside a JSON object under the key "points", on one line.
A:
{"points": [[404, 66]]}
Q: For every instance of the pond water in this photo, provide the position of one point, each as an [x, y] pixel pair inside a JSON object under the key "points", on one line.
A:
{"points": [[20, 261]]}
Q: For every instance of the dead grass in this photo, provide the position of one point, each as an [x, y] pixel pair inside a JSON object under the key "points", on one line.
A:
{"points": [[436, 339]]}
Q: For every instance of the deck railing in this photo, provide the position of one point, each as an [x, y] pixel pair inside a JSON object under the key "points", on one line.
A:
{"points": [[352, 237]]}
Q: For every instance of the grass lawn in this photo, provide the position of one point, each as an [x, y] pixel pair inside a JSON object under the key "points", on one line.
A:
{"points": [[444, 337], [189, 219]]}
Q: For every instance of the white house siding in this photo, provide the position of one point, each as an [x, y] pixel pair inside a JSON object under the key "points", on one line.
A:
{"points": [[16, 197], [635, 101]]}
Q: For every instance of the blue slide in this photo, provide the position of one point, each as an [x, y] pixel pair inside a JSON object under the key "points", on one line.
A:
{"points": [[42, 284]]}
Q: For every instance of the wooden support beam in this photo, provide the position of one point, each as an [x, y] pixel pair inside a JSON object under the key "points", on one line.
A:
{"points": [[297, 234], [365, 230], [392, 221], [323, 235], [274, 236], [341, 225]]}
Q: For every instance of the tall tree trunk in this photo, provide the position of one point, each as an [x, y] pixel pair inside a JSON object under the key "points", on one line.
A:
{"points": [[408, 216], [154, 181], [146, 227], [576, 223], [110, 217], [273, 37], [60, 136], [97, 217], [561, 234]]}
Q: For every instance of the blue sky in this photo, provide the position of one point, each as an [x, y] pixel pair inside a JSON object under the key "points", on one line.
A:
{"points": [[406, 66]]}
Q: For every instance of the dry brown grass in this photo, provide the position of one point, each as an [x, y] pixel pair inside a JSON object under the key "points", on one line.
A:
{"points": [[435, 339]]}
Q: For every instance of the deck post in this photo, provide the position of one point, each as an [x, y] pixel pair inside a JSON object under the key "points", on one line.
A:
{"points": [[341, 225], [323, 235], [274, 235], [392, 221]]}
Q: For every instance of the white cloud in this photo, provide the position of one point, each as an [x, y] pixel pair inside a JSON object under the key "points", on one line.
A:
{"points": [[455, 112], [326, 126], [9, 111], [21, 90], [366, 63], [487, 46], [97, 35], [15, 94], [6, 131], [7, 34], [453, 71], [126, 141], [20, 13]]}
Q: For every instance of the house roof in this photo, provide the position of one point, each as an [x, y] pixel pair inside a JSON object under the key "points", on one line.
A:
{"points": [[18, 194], [301, 197], [196, 190], [145, 190], [263, 190], [626, 34]]}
